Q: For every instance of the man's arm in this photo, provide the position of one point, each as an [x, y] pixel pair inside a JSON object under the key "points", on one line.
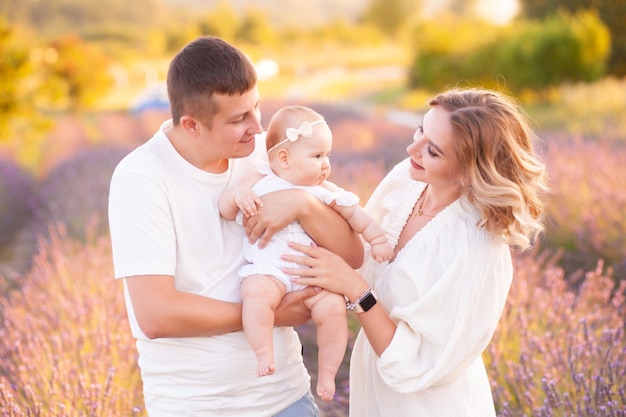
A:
{"points": [[163, 311], [327, 227]]}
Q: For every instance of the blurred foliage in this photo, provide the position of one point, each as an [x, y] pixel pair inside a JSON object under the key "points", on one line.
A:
{"points": [[390, 16], [442, 57], [89, 20], [22, 124], [14, 67], [75, 194], [529, 55], [592, 110], [77, 73], [19, 200], [221, 21], [612, 13], [587, 207], [255, 28], [562, 48]]}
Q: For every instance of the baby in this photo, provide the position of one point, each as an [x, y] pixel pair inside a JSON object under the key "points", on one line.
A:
{"points": [[298, 147]]}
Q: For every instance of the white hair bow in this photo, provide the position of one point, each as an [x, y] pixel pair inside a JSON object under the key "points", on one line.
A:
{"points": [[305, 130]]}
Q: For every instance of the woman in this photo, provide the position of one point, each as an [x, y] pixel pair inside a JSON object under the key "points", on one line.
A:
{"points": [[469, 191]]}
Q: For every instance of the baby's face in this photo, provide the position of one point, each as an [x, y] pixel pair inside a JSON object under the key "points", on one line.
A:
{"points": [[309, 162]]}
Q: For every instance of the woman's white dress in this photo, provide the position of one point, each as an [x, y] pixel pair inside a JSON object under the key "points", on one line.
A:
{"points": [[446, 290]]}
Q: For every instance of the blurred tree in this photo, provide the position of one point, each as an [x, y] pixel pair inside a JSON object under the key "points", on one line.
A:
{"points": [[444, 49], [22, 122], [530, 55], [255, 28], [119, 27], [78, 71], [177, 36], [53, 18], [222, 21], [14, 68], [612, 13], [539, 55], [594, 38], [562, 48], [346, 33], [390, 16], [451, 33]]}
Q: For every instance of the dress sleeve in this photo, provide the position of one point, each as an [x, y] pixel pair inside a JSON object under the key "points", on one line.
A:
{"points": [[387, 195], [458, 287], [341, 197]]}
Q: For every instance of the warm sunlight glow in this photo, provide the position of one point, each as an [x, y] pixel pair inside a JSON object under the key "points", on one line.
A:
{"points": [[498, 11]]}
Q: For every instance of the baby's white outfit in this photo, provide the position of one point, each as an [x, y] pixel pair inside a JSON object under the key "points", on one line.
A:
{"points": [[267, 261]]}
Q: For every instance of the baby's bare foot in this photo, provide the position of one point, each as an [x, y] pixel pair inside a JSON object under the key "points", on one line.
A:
{"points": [[267, 370], [326, 393]]}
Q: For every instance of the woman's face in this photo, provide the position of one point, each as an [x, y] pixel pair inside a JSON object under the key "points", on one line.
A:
{"points": [[433, 157]]}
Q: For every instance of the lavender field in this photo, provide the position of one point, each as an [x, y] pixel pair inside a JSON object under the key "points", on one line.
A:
{"points": [[65, 345]]}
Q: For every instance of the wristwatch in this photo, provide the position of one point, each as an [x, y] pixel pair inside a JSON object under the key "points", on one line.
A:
{"points": [[362, 304]]}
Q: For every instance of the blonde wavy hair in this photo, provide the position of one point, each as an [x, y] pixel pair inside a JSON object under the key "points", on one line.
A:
{"points": [[502, 175]]}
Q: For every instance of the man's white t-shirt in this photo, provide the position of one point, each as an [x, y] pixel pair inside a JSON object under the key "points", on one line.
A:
{"points": [[164, 220]]}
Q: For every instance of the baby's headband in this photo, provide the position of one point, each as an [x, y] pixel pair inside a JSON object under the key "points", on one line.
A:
{"points": [[305, 130]]}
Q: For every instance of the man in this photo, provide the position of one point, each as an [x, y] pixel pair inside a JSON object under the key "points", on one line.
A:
{"points": [[179, 259]]}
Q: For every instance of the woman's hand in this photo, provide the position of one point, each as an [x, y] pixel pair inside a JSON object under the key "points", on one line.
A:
{"points": [[325, 270], [329, 271]]}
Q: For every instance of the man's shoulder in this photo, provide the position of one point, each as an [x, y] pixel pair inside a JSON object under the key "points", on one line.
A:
{"points": [[143, 158]]}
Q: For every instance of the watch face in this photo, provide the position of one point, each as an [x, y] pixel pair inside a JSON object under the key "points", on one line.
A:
{"points": [[368, 302]]}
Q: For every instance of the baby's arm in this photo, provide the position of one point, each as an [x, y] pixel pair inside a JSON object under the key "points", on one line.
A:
{"points": [[362, 223], [240, 197]]}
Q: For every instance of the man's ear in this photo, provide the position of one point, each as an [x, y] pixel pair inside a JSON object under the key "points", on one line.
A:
{"points": [[283, 157], [190, 125]]}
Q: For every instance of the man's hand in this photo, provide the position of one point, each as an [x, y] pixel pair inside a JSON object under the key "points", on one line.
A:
{"points": [[279, 209], [291, 311], [327, 228]]}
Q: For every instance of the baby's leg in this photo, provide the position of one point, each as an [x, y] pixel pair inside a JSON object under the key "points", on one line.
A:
{"points": [[260, 295], [328, 311]]}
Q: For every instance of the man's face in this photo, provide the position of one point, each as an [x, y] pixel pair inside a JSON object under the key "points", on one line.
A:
{"points": [[232, 130]]}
